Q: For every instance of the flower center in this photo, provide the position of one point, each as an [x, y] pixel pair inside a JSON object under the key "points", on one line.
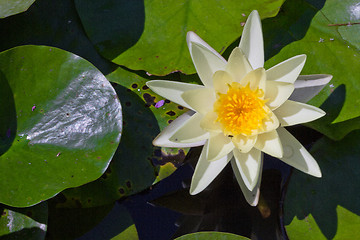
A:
{"points": [[241, 110]]}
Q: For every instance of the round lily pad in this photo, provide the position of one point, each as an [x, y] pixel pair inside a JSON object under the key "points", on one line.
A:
{"points": [[60, 121]]}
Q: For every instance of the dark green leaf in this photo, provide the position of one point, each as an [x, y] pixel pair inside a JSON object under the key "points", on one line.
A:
{"points": [[51, 23], [68, 123], [329, 207]]}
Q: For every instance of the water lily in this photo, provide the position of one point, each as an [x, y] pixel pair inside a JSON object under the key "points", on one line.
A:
{"points": [[241, 110]]}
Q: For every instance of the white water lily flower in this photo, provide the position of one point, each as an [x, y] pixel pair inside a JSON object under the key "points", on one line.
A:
{"points": [[240, 112]]}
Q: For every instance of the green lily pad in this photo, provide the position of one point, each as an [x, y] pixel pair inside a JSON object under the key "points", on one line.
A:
{"points": [[68, 123], [332, 47], [132, 168], [329, 207], [211, 236], [152, 36], [24, 223], [8, 8]]}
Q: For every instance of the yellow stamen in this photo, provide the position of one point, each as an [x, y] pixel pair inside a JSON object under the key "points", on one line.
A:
{"points": [[241, 110]]}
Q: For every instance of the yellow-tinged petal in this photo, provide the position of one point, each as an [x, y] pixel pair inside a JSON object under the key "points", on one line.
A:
{"points": [[244, 143], [249, 166], [190, 131], [162, 140], [206, 60], [222, 79], [287, 71], [201, 99], [252, 197], [206, 171], [256, 79], [277, 93], [270, 143], [292, 113], [210, 124], [251, 42], [271, 124], [238, 65], [308, 86], [296, 155], [219, 146], [172, 90]]}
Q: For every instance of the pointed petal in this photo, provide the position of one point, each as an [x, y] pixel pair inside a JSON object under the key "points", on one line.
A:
{"points": [[222, 79], [277, 93], [287, 71], [206, 171], [244, 143], [308, 86], [251, 42], [296, 155], [252, 197], [238, 65], [270, 143], [201, 99], [190, 131], [219, 146], [292, 113], [206, 60], [256, 79], [162, 140], [172, 90], [209, 122], [249, 166]]}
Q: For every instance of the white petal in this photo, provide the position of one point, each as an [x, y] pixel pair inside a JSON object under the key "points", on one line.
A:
{"points": [[219, 146], [308, 86], [277, 93], [221, 80], [206, 60], [201, 99], [251, 42], [206, 171], [252, 197], [210, 124], [296, 155], [270, 143], [162, 140], [244, 143], [287, 71], [190, 131], [238, 65], [271, 124], [249, 166], [291, 113], [172, 90], [255, 78]]}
